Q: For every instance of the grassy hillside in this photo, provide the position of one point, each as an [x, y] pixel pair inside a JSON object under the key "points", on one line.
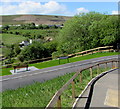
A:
{"points": [[39, 94], [34, 32], [9, 39], [37, 19]]}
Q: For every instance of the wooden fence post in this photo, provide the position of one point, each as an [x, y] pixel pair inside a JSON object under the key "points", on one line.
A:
{"points": [[98, 69], [106, 65], [91, 74], [73, 89], [116, 64], [113, 65], [59, 102], [80, 77]]}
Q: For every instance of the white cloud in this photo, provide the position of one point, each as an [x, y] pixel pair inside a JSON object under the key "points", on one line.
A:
{"points": [[115, 12], [31, 7], [82, 10]]}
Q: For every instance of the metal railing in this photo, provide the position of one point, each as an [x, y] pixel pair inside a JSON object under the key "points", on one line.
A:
{"points": [[56, 99]]}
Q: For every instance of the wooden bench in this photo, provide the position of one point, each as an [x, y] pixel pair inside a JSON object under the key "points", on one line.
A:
{"points": [[18, 67], [65, 57]]}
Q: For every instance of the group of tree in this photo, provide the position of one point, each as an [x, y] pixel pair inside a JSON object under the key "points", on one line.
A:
{"points": [[82, 32], [36, 50], [28, 26], [87, 31]]}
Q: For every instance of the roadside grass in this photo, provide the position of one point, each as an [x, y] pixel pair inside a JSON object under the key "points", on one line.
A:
{"points": [[51, 63], [74, 59], [35, 95], [5, 71], [67, 100], [39, 94]]}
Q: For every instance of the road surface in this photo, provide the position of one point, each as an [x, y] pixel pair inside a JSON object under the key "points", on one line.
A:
{"points": [[104, 92], [22, 79]]}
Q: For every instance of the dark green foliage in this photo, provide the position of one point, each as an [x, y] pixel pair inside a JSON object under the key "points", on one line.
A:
{"points": [[50, 46], [86, 31], [34, 51], [40, 27], [21, 58], [17, 49], [5, 27]]}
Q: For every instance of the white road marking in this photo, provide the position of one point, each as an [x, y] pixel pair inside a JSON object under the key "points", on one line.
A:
{"points": [[54, 69]]}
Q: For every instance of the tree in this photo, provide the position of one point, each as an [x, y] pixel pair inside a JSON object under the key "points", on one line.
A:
{"points": [[17, 49], [40, 26], [51, 47], [34, 51], [86, 31], [5, 27]]}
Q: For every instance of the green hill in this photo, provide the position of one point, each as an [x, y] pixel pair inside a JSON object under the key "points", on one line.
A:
{"points": [[37, 19]]}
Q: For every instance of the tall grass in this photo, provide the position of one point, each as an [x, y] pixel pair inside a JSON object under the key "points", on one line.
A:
{"points": [[39, 94]]}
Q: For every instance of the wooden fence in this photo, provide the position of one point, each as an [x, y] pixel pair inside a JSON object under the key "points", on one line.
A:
{"points": [[91, 51], [95, 50], [56, 99]]}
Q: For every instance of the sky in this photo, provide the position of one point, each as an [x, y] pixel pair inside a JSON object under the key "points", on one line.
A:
{"points": [[57, 7]]}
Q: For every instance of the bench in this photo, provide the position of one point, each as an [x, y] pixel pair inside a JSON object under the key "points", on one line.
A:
{"points": [[65, 57], [18, 67]]}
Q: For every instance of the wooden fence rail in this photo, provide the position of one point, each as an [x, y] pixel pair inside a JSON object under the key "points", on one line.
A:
{"points": [[86, 52], [57, 97]]}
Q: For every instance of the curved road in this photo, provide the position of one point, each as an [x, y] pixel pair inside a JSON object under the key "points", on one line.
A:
{"points": [[25, 78], [103, 92]]}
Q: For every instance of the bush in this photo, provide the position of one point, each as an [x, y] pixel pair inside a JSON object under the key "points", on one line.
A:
{"points": [[34, 51], [9, 61], [21, 58]]}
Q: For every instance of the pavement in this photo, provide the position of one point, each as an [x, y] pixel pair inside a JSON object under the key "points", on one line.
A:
{"points": [[41, 75], [104, 93], [22, 70]]}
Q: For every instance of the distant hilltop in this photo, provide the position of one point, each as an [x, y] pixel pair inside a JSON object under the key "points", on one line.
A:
{"points": [[37, 19]]}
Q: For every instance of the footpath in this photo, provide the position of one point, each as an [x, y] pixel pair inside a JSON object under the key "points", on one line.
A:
{"points": [[104, 93]]}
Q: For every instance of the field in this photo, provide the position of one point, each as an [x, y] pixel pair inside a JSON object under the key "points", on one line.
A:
{"points": [[6, 71], [39, 94], [45, 32], [9, 39]]}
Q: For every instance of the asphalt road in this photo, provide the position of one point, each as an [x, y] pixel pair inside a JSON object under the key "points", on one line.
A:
{"points": [[105, 92], [25, 78]]}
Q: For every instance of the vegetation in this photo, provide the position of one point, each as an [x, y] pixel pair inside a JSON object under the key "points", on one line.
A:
{"points": [[34, 33], [87, 31], [6, 71], [34, 51], [9, 39], [39, 94], [82, 32]]}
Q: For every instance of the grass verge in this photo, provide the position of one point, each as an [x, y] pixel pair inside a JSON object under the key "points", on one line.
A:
{"points": [[39, 94], [51, 63]]}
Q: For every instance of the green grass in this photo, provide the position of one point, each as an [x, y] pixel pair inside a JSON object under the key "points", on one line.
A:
{"points": [[51, 63], [39, 94], [34, 32], [74, 59], [5, 71], [36, 95], [9, 39], [0, 51]]}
